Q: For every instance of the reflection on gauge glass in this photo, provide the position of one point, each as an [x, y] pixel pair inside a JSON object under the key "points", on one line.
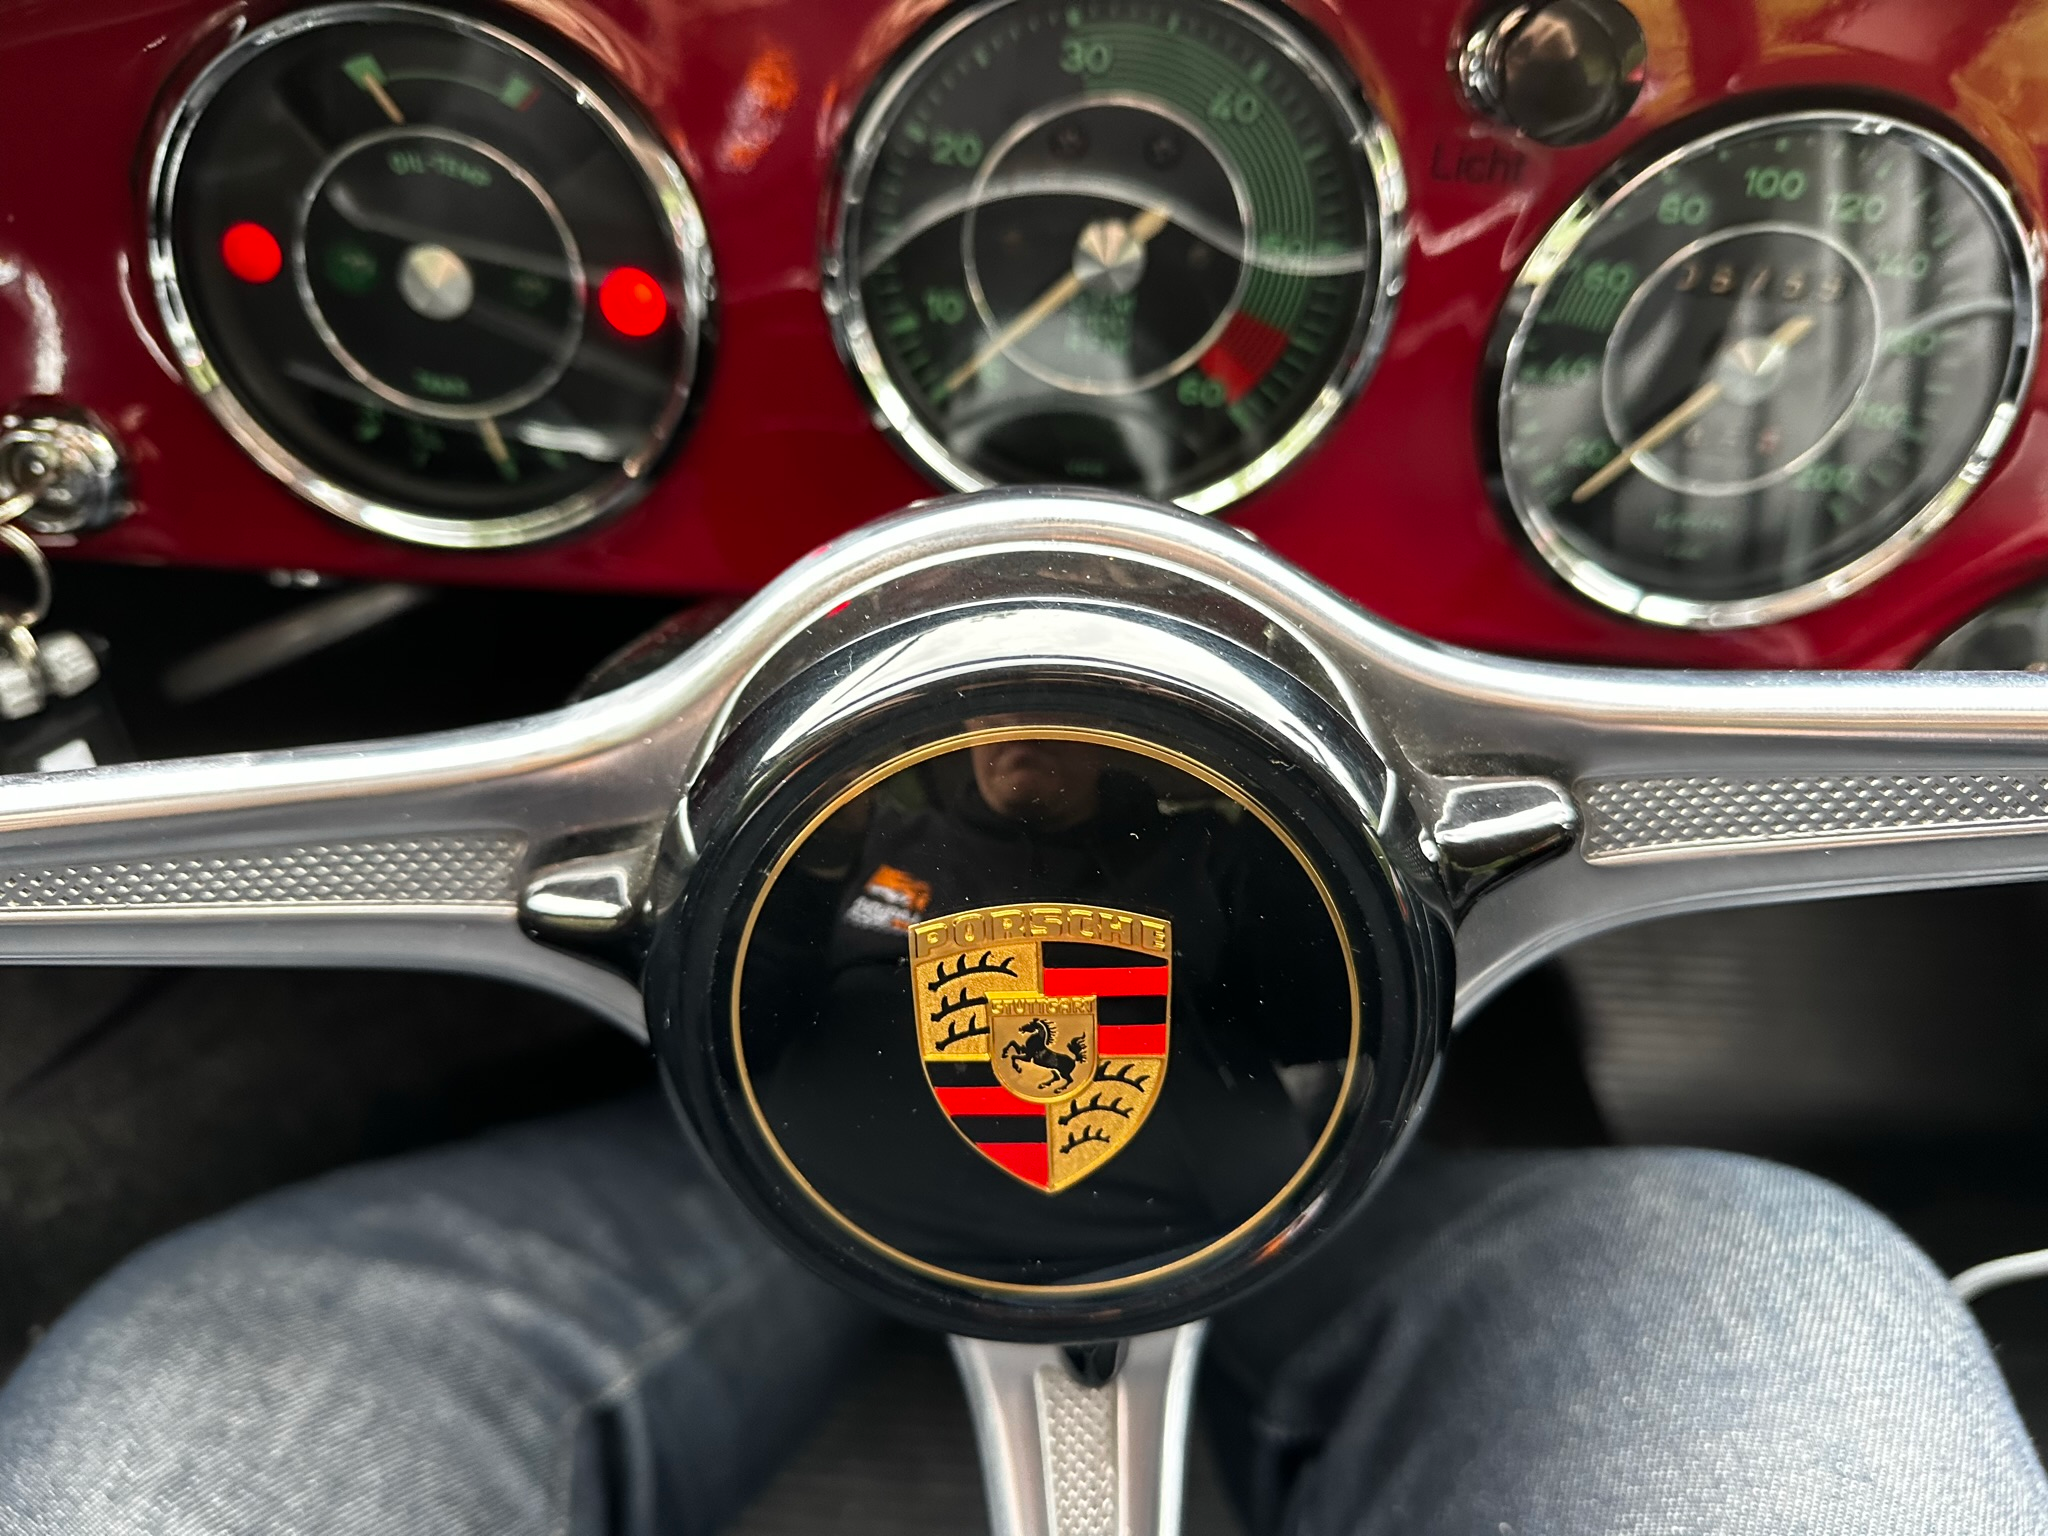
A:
{"points": [[440, 285], [1742, 382], [1124, 243]]}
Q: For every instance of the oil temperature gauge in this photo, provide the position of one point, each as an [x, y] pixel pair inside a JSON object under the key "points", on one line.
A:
{"points": [[437, 282], [1144, 245], [1744, 380]]}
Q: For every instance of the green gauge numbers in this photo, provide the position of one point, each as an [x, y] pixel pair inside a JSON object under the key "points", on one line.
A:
{"points": [[1148, 245], [1746, 380]]}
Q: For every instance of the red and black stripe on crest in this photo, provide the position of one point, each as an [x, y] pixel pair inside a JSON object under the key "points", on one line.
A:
{"points": [[1006, 1129], [1130, 1013], [1129, 989]]}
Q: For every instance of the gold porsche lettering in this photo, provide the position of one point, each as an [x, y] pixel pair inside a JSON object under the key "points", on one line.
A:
{"points": [[1000, 925]]}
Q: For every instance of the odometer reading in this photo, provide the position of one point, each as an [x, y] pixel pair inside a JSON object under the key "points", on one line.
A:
{"points": [[1141, 244], [1741, 382]]}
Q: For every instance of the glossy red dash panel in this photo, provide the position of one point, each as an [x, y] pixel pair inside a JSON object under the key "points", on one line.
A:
{"points": [[1391, 507]]}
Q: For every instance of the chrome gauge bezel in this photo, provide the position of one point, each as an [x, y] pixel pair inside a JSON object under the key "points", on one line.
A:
{"points": [[682, 219], [891, 409], [1581, 567]]}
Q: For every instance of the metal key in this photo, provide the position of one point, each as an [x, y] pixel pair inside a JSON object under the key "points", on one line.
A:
{"points": [[35, 670]]}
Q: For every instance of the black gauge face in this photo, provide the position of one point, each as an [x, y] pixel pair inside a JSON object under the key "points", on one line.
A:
{"points": [[440, 285], [1120, 243], [1746, 380]]}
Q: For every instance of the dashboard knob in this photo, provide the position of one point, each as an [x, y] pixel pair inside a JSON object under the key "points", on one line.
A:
{"points": [[1560, 71]]}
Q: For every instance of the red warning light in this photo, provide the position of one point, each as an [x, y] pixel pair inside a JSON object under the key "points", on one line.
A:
{"points": [[251, 253], [632, 301]]}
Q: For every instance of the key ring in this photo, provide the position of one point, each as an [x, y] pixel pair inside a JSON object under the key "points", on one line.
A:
{"points": [[39, 567], [14, 506]]}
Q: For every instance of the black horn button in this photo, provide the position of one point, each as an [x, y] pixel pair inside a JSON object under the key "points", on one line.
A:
{"points": [[1043, 1028]]}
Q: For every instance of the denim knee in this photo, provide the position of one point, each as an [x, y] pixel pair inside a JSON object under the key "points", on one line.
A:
{"points": [[424, 1344], [1653, 1340], [1746, 1231]]}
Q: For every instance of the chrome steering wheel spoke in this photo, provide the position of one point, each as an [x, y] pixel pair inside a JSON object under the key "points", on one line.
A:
{"points": [[1691, 789], [1699, 790], [396, 855]]}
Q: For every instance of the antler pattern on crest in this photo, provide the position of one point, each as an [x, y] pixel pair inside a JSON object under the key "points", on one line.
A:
{"points": [[1099, 1105], [1083, 1136], [987, 965]]}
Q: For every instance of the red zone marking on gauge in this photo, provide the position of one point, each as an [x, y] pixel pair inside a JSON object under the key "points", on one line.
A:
{"points": [[1011, 1130], [1239, 358]]}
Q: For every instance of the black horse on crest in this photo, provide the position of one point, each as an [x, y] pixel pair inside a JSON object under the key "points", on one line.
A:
{"points": [[1035, 1049]]}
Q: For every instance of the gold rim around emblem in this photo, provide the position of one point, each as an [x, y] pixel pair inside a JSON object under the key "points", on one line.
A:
{"points": [[1124, 743]]}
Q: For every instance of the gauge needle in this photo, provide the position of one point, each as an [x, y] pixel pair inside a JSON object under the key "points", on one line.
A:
{"points": [[1744, 355], [364, 70], [494, 445], [1046, 305], [383, 99]]}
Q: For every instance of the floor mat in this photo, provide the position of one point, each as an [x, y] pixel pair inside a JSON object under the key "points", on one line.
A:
{"points": [[895, 1457], [1771, 1029], [2015, 1319]]}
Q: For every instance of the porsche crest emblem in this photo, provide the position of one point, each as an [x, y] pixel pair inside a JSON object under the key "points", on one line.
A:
{"points": [[1043, 1030]]}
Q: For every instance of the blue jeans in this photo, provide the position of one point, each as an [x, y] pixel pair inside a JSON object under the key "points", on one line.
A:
{"points": [[569, 1327]]}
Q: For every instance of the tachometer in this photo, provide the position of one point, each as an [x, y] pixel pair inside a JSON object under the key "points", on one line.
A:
{"points": [[1143, 244], [426, 275], [1745, 380]]}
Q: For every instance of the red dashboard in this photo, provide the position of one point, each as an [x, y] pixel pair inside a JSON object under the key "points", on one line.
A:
{"points": [[1392, 505]]}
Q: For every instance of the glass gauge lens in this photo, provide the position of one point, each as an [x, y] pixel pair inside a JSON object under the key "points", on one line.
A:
{"points": [[1120, 243], [1741, 382], [437, 283]]}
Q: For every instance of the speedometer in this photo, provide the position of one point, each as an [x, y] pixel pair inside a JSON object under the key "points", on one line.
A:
{"points": [[1140, 244], [1744, 380]]}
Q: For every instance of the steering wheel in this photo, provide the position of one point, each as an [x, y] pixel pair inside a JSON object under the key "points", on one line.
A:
{"points": [[1115, 1084]]}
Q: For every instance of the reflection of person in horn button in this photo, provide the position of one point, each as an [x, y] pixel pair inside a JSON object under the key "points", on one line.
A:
{"points": [[1213, 1059], [1051, 785]]}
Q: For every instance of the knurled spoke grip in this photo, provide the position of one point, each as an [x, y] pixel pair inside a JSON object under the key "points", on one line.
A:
{"points": [[1065, 1453]]}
